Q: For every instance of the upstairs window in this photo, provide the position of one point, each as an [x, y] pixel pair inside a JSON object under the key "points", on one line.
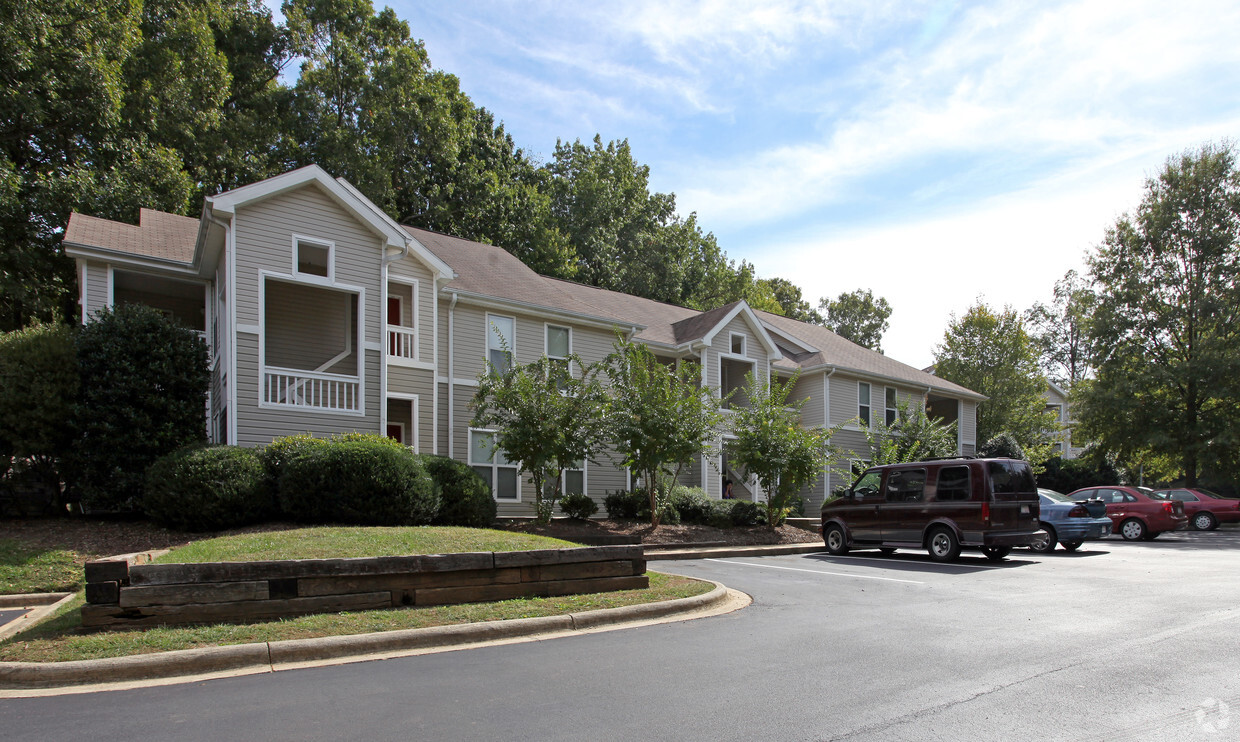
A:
{"points": [[738, 344], [500, 331], [891, 406], [863, 402], [312, 258]]}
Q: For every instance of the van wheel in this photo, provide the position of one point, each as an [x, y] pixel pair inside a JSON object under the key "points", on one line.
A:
{"points": [[837, 543], [1047, 546], [1132, 530], [943, 545], [1071, 545], [996, 553]]}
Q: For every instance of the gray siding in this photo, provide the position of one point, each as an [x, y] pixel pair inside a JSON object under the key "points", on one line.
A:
{"points": [[307, 326], [418, 382], [96, 286], [410, 268]]}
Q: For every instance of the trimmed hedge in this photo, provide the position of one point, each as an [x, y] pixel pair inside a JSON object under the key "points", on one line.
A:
{"points": [[624, 505], [281, 450], [360, 480], [464, 497], [692, 504], [208, 489]]}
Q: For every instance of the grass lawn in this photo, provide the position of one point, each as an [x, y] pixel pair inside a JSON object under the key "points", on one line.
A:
{"points": [[62, 639], [25, 569]]}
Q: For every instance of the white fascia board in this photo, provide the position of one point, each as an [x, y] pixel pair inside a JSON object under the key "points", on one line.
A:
{"points": [[742, 309], [348, 198], [130, 260], [420, 251], [494, 302], [790, 339]]}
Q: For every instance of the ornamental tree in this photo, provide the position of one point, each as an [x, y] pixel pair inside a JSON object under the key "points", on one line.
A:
{"points": [[659, 416], [912, 437], [548, 415], [771, 445]]}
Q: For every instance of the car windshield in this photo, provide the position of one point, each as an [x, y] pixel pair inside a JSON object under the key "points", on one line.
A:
{"points": [[1053, 495]]}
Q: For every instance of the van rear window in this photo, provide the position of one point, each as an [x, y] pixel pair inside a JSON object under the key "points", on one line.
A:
{"points": [[1011, 477]]}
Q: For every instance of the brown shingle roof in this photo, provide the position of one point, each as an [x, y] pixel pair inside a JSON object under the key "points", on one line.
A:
{"points": [[157, 235]]}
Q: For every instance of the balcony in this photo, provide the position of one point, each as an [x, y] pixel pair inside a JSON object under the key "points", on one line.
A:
{"points": [[402, 342], [286, 387]]}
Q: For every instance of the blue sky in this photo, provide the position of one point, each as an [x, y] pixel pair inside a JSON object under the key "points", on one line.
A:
{"points": [[933, 152]]}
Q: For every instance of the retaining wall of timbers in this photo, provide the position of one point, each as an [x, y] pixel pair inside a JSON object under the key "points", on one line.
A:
{"points": [[121, 592]]}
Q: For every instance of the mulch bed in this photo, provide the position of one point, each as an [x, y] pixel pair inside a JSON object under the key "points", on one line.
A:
{"points": [[571, 530]]}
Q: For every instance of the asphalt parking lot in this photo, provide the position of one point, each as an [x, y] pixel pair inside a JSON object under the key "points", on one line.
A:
{"points": [[1119, 641]]}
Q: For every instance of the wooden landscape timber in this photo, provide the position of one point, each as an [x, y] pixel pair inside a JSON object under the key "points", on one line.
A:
{"points": [[129, 592]]}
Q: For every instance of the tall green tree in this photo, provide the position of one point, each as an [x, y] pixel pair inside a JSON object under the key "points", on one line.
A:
{"points": [[991, 353], [549, 417], [770, 443], [1166, 328], [791, 302], [857, 316], [659, 416], [1061, 330]]}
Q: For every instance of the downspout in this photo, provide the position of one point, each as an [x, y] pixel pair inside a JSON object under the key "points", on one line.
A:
{"points": [[451, 377], [228, 338]]}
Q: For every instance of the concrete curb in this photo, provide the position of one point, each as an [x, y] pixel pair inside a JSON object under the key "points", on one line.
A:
{"points": [[30, 600], [734, 551], [274, 656]]}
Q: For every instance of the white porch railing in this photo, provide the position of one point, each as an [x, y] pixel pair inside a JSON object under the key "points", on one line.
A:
{"points": [[402, 342], [312, 389]]}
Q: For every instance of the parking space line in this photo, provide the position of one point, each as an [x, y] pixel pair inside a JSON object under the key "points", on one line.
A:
{"points": [[816, 571]]}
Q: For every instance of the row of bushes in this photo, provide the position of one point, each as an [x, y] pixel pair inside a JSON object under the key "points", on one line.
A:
{"points": [[686, 505], [361, 479]]}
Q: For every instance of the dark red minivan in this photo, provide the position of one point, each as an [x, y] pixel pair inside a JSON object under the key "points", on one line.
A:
{"points": [[941, 506]]}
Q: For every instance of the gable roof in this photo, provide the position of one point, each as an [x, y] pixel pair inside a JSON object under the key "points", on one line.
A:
{"points": [[158, 235]]}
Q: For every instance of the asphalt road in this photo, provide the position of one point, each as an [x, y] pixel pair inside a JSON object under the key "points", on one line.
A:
{"points": [[1119, 641]]}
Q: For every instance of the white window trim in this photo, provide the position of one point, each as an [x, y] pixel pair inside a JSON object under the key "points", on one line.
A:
{"points": [[412, 437], [359, 333], [490, 332], [546, 327], [870, 404], [415, 326], [744, 344], [493, 463], [330, 278], [585, 478]]}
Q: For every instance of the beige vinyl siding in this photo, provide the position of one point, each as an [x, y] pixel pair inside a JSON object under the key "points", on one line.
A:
{"points": [[739, 326], [844, 399], [97, 287], [307, 326], [418, 382], [264, 242], [808, 389], [410, 268]]}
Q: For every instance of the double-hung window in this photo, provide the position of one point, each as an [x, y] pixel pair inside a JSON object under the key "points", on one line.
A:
{"points": [[572, 480], [559, 344], [489, 462], [863, 402], [891, 406], [500, 331]]}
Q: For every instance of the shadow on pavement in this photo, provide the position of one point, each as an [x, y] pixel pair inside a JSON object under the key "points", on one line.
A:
{"points": [[911, 561]]}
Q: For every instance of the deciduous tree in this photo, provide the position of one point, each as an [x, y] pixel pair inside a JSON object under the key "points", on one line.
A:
{"points": [[912, 437], [1166, 328], [857, 316], [1061, 330]]}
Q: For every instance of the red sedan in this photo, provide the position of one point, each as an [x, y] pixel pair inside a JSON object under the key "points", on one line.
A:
{"points": [[1136, 513], [1205, 509]]}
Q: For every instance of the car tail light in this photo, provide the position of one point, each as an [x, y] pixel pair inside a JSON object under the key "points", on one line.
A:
{"points": [[1078, 512], [1169, 507], [986, 513]]}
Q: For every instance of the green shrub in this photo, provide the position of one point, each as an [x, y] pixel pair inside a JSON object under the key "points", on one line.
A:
{"points": [[692, 504], [276, 455], [623, 504], [38, 385], [578, 505], [746, 513], [464, 497], [720, 513], [208, 489], [142, 395], [668, 514], [1003, 446], [366, 482]]}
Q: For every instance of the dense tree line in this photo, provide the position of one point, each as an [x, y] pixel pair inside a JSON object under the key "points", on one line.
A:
{"points": [[159, 103]]}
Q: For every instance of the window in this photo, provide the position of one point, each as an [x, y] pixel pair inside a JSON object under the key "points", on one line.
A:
{"points": [[559, 344], [738, 344], [863, 402], [908, 485], [953, 484], [572, 480], [891, 406], [498, 472], [312, 258], [869, 486], [1011, 477], [499, 342]]}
